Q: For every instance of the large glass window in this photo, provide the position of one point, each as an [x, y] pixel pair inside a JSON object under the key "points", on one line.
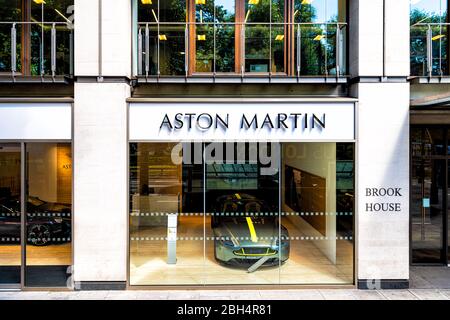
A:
{"points": [[253, 36], [40, 38], [241, 213], [429, 37]]}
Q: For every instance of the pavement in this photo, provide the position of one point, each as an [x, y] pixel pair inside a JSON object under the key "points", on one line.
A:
{"points": [[426, 283]]}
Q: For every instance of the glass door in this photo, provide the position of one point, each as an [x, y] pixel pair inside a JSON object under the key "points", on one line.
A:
{"points": [[10, 215], [48, 208], [427, 205], [429, 195]]}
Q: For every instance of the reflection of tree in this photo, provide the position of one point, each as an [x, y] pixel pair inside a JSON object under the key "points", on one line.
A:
{"points": [[419, 42], [10, 11]]}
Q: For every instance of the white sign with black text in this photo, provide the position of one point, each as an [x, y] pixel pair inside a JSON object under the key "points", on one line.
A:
{"points": [[242, 121]]}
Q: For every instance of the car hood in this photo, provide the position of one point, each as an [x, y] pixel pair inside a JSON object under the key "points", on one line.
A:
{"points": [[249, 233]]}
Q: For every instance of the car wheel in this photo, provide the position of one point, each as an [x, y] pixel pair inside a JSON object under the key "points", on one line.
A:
{"points": [[39, 234]]}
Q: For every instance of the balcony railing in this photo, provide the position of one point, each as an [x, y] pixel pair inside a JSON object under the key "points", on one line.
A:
{"points": [[290, 50], [42, 49], [430, 49]]}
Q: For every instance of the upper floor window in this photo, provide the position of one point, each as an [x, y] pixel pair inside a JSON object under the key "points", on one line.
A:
{"points": [[429, 37], [36, 37], [273, 37]]}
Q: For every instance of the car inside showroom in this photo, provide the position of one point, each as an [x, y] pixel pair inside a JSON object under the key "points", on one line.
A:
{"points": [[241, 213]]}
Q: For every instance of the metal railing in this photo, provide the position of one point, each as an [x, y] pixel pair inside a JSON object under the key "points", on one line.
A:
{"points": [[307, 49], [430, 49], [37, 49]]}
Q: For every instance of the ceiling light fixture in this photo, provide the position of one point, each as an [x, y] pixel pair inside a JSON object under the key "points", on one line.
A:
{"points": [[319, 37], [201, 37], [279, 37], [439, 36], [162, 37], [146, 1], [253, 1], [39, 1], [307, 2]]}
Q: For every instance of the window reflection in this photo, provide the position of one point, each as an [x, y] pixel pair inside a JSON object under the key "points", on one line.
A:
{"points": [[234, 36], [424, 12]]}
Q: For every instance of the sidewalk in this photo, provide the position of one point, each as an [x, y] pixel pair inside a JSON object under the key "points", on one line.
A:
{"points": [[427, 283]]}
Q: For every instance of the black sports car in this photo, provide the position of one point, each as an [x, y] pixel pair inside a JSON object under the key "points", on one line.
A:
{"points": [[47, 222]]}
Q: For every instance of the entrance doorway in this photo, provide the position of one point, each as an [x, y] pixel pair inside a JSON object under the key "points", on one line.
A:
{"points": [[35, 215], [430, 195]]}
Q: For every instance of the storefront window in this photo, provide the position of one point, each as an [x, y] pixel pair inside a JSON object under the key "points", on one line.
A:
{"points": [[241, 213]]}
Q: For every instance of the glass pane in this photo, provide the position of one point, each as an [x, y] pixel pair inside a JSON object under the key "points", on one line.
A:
{"points": [[318, 202], [440, 48], [10, 11], [225, 10], [429, 11], [329, 44], [225, 48], [427, 200], [172, 50], [242, 214], [433, 142], [419, 58], [278, 49], [166, 217], [58, 10], [257, 48], [448, 209], [204, 43], [10, 213], [416, 142], [313, 50], [172, 11], [320, 11], [148, 11], [204, 11], [278, 7], [257, 10], [148, 65], [48, 214]]}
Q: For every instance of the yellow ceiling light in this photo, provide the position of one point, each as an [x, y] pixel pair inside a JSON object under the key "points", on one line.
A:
{"points": [[319, 37], [201, 37], [279, 37], [253, 1], [162, 37], [307, 1], [146, 1], [200, 1], [439, 36], [39, 1]]}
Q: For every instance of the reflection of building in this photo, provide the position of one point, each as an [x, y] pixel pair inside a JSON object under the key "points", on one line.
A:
{"points": [[329, 88]]}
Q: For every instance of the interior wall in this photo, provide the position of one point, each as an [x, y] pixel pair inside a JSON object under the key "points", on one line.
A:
{"points": [[318, 159], [42, 172]]}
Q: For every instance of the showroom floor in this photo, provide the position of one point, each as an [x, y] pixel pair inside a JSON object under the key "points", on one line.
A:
{"points": [[307, 264]]}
